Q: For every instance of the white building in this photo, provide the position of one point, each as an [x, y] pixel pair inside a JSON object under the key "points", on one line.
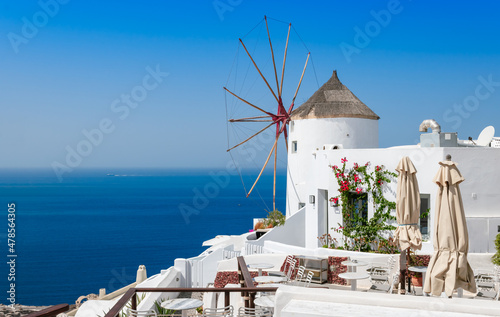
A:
{"points": [[334, 124]]}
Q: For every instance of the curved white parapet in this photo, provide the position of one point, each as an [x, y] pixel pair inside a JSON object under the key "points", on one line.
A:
{"points": [[290, 300], [167, 278], [93, 308]]}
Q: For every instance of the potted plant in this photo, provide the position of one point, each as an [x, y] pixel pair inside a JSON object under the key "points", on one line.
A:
{"points": [[417, 260], [274, 218]]}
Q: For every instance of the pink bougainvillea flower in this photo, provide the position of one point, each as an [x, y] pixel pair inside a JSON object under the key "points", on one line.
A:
{"points": [[378, 168], [356, 166], [343, 160], [367, 163], [335, 167], [335, 200], [358, 190]]}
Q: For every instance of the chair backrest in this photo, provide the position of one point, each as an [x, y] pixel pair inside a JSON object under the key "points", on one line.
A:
{"points": [[253, 312], [309, 277], [391, 262], [300, 273], [227, 311], [141, 313], [291, 269], [289, 260]]}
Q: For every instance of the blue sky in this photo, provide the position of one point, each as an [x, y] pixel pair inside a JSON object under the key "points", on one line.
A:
{"points": [[63, 67]]}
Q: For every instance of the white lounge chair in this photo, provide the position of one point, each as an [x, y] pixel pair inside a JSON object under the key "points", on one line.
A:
{"points": [[382, 277], [139, 313], [488, 283], [227, 311], [254, 312]]}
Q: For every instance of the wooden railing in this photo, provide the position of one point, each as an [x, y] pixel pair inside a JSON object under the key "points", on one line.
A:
{"points": [[248, 291], [50, 311]]}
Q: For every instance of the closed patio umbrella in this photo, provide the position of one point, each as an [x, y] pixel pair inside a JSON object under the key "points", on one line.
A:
{"points": [[407, 206], [448, 268], [407, 234]]}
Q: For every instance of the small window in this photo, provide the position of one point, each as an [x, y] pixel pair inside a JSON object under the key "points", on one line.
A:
{"points": [[292, 125], [360, 203], [294, 146], [425, 200]]}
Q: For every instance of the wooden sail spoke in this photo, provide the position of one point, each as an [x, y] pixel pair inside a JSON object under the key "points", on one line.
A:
{"points": [[284, 60], [274, 180], [300, 81], [248, 103], [248, 139], [265, 164], [250, 120], [272, 54], [264, 78]]}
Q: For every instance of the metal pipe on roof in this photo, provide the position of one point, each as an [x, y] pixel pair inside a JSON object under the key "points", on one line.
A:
{"points": [[430, 123]]}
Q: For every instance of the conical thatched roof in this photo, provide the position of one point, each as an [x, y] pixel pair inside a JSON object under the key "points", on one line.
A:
{"points": [[333, 100]]}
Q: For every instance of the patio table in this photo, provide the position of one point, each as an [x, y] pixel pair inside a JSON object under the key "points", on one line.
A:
{"points": [[182, 304], [353, 277], [260, 266]]}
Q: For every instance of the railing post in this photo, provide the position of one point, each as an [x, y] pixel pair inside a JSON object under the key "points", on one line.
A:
{"points": [[134, 301], [251, 303], [227, 299]]}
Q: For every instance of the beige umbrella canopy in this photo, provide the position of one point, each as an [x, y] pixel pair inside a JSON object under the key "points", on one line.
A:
{"points": [[448, 268], [407, 206]]}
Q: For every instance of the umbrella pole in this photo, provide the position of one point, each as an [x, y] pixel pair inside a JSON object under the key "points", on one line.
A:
{"points": [[408, 275]]}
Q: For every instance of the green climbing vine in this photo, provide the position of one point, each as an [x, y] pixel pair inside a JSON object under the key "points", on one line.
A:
{"points": [[357, 185]]}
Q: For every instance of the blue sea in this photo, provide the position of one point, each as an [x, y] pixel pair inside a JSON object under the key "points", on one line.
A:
{"points": [[94, 229]]}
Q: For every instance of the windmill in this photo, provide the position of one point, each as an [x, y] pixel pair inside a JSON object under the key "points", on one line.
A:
{"points": [[275, 113]]}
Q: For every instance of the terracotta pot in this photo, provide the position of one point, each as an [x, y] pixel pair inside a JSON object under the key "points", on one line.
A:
{"points": [[416, 281], [259, 225]]}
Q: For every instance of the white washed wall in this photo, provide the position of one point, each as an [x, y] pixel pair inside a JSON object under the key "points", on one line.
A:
{"points": [[479, 190], [313, 134]]}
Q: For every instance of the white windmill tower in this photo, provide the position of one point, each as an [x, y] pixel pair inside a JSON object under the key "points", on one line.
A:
{"points": [[332, 118]]}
